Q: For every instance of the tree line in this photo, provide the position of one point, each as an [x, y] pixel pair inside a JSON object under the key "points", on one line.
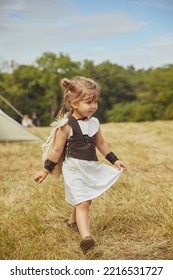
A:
{"points": [[127, 94]]}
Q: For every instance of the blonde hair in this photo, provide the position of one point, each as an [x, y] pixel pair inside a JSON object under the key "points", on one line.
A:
{"points": [[77, 89]]}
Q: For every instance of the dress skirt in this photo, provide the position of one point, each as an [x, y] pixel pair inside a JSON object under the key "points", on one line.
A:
{"points": [[85, 180]]}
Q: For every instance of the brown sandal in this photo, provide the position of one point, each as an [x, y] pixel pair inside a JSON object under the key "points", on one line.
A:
{"points": [[87, 243], [73, 226]]}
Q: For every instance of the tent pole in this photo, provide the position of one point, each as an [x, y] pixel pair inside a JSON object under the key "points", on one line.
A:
{"points": [[20, 114], [9, 104]]}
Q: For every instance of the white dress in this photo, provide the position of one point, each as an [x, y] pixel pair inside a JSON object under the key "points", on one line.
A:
{"points": [[85, 180]]}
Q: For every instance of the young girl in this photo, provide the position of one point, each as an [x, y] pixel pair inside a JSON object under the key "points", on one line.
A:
{"points": [[77, 140]]}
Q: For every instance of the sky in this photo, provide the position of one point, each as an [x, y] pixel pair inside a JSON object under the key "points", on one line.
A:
{"points": [[125, 32]]}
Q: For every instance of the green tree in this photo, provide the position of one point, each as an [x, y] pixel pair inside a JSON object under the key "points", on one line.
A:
{"points": [[126, 94], [53, 68]]}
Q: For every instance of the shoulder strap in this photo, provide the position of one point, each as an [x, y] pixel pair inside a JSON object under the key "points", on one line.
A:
{"points": [[47, 145], [74, 125]]}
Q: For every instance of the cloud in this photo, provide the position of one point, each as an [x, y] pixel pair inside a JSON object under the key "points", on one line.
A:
{"points": [[105, 25], [158, 4], [11, 5], [38, 26], [29, 14], [44, 11], [75, 28], [156, 53], [29, 28]]}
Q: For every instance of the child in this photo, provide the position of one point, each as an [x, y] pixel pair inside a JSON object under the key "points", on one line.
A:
{"points": [[78, 137], [26, 121], [35, 120]]}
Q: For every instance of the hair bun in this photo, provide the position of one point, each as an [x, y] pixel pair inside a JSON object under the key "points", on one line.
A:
{"points": [[65, 83]]}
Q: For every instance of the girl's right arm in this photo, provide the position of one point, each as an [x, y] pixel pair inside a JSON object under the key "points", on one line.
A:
{"points": [[55, 153], [59, 143]]}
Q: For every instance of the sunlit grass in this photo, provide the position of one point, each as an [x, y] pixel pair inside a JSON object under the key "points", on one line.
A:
{"points": [[132, 220]]}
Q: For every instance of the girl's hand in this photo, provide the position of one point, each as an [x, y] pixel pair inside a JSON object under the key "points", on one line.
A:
{"points": [[120, 165], [40, 176]]}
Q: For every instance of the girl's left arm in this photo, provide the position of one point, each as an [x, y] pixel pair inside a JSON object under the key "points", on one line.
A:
{"points": [[104, 149]]}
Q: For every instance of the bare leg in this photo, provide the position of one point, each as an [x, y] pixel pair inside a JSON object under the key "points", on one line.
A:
{"points": [[73, 215], [82, 218]]}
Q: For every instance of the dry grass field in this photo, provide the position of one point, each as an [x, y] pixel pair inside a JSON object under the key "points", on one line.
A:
{"points": [[133, 220]]}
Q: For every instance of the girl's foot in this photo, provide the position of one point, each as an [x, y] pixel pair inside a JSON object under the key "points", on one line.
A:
{"points": [[73, 225], [87, 243]]}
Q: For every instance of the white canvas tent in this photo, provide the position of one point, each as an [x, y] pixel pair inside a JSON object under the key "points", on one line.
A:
{"points": [[10, 130]]}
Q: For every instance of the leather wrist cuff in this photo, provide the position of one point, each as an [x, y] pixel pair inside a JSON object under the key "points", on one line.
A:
{"points": [[49, 165], [111, 157]]}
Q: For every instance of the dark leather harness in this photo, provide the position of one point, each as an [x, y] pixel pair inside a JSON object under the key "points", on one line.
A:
{"points": [[80, 146]]}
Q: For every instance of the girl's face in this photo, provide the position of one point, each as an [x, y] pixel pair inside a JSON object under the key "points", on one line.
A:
{"points": [[85, 108]]}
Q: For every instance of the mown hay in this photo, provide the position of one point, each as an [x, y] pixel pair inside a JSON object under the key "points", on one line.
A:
{"points": [[132, 220]]}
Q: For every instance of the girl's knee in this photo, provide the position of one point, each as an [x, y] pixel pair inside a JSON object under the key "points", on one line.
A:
{"points": [[84, 204]]}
